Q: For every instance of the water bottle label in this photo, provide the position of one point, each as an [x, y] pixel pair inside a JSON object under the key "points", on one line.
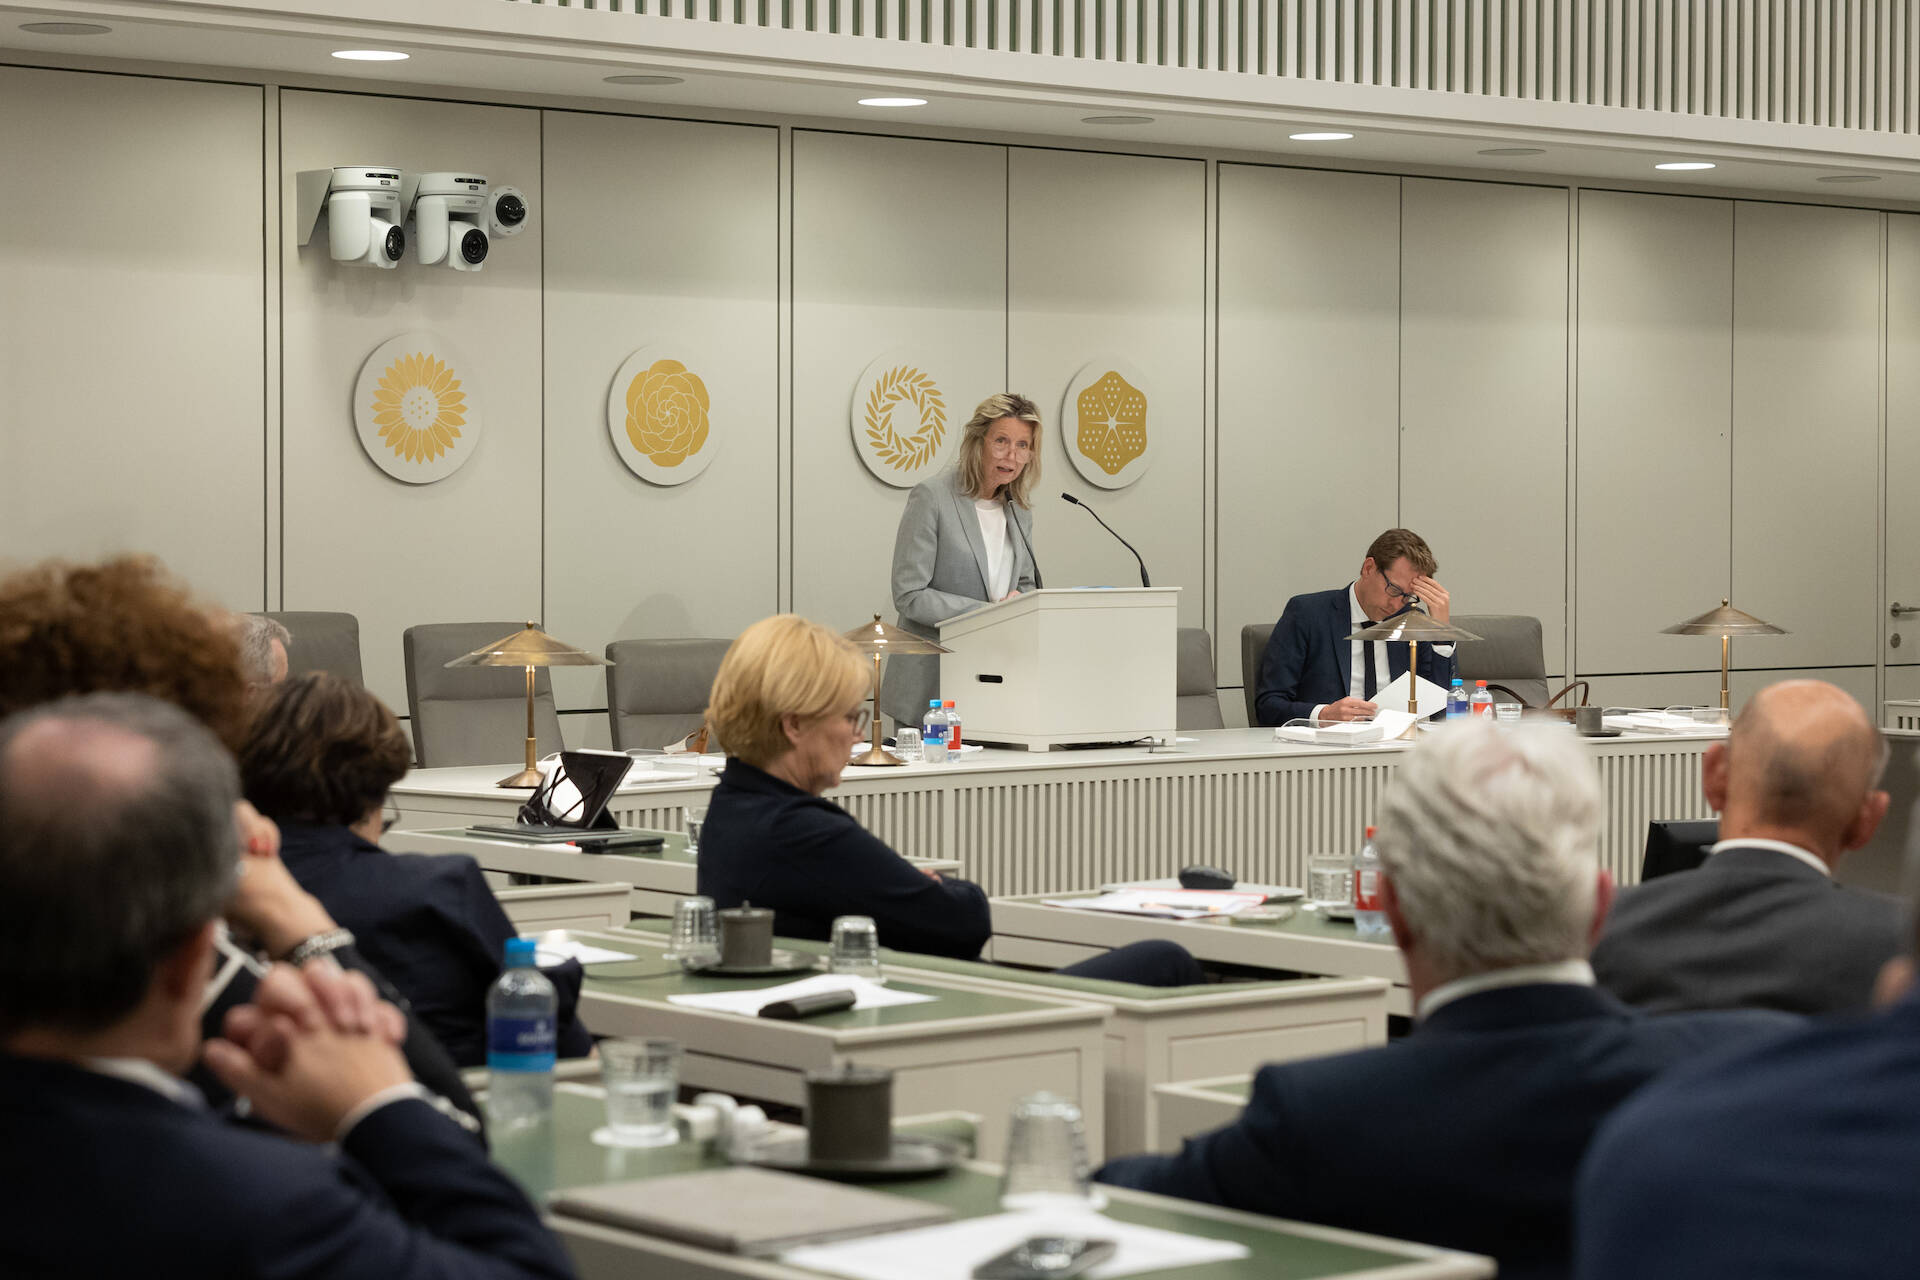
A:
{"points": [[1366, 891], [520, 1044]]}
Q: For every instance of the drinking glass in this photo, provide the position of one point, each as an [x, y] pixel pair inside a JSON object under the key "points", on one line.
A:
{"points": [[695, 940], [1330, 879], [1046, 1163], [856, 948], [641, 1078], [1506, 712], [696, 815]]}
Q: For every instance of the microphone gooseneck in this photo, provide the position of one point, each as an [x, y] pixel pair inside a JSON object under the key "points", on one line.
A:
{"points": [[1144, 580], [1039, 583]]}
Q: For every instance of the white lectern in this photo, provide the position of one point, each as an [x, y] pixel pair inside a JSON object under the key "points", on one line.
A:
{"points": [[1049, 668]]}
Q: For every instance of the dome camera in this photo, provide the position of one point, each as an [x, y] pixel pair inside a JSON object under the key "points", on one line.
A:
{"points": [[507, 210]]}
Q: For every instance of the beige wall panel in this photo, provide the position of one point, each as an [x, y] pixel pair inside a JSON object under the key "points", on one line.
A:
{"points": [[898, 245], [1903, 684], [1483, 385], [468, 547], [1655, 332], [1806, 412], [1903, 440], [1309, 299], [132, 351], [695, 278], [1081, 290]]}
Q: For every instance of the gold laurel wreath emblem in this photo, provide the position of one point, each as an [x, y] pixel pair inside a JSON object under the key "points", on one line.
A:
{"points": [[904, 385]]}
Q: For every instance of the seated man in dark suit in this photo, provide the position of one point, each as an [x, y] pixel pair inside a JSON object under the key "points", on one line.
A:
{"points": [[118, 847], [1310, 668], [1762, 924], [1466, 1134], [1797, 1158]]}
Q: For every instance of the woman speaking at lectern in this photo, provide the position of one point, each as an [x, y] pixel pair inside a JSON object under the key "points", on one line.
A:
{"points": [[965, 539]]}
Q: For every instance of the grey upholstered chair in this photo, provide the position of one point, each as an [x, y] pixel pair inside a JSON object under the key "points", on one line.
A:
{"points": [[1196, 699], [1509, 652], [657, 689], [1253, 648], [328, 642], [472, 715]]}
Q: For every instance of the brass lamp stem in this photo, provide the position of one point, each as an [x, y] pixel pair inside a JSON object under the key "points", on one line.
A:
{"points": [[530, 776], [1413, 687], [1726, 662], [876, 755]]}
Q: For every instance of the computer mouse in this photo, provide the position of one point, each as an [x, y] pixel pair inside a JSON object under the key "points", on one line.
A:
{"points": [[1205, 878]]}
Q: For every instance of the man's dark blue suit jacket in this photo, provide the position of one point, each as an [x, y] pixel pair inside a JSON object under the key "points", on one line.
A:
{"points": [[105, 1178], [430, 925], [1466, 1134], [1308, 661], [1797, 1158]]}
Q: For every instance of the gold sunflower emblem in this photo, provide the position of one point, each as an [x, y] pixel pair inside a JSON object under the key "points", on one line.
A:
{"points": [[667, 413], [419, 407], [1113, 423]]}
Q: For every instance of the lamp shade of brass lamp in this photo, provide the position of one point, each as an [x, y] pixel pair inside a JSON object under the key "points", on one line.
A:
{"points": [[1725, 622], [876, 640], [529, 648], [1415, 626]]}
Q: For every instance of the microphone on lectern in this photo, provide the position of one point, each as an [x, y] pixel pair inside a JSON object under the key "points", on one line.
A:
{"points": [[1144, 580]]}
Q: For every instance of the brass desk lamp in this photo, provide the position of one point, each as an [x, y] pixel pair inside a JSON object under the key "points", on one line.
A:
{"points": [[529, 648], [1725, 622], [877, 639], [1414, 626]]}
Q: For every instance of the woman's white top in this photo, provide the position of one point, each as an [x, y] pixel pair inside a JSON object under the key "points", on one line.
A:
{"points": [[998, 540]]}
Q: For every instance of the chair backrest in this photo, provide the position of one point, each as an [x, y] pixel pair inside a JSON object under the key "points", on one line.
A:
{"points": [[1509, 652], [328, 642], [1253, 648], [472, 715], [1196, 699], [657, 689]]}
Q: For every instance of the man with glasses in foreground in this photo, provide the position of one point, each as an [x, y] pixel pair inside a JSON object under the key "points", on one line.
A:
{"points": [[1312, 671]]}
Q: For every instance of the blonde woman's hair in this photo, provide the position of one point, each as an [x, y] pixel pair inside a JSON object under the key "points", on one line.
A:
{"points": [[973, 443], [781, 666]]}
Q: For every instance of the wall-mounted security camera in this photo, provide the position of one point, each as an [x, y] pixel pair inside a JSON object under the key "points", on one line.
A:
{"points": [[507, 210], [447, 214], [365, 205]]}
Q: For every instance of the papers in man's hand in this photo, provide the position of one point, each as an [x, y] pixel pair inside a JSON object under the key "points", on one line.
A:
{"points": [[866, 995], [1394, 697], [556, 950], [951, 1252], [1168, 904]]}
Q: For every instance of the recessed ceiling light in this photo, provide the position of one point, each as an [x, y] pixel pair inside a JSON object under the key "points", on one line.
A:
{"points": [[65, 28], [1514, 151], [371, 55], [1850, 177], [646, 79], [1116, 119], [893, 102], [1684, 166], [1319, 137]]}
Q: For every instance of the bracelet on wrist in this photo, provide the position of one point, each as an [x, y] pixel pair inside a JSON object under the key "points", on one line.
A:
{"points": [[319, 944]]}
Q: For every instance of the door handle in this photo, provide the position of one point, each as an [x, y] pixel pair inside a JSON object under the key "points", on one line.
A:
{"points": [[1901, 610]]}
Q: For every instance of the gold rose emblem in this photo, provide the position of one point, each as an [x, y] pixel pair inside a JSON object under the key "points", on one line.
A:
{"points": [[1113, 423], [419, 407], [667, 413], [908, 388]]}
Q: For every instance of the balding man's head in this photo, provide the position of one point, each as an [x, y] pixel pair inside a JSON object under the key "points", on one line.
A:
{"points": [[1801, 764]]}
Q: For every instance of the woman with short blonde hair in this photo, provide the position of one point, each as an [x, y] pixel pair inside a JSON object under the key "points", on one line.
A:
{"points": [[965, 539], [782, 668]]}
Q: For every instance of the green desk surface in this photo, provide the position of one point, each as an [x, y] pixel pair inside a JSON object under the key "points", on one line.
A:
{"points": [[674, 850], [649, 977], [1305, 924], [1278, 1253]]}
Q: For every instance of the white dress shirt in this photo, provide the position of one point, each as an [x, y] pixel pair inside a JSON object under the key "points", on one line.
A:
{"points": [[1807, 856], [998, 539], [1574, 973]]}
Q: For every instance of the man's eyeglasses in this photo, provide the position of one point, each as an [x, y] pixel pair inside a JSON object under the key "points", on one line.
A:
{"points": [[1394, 592]]}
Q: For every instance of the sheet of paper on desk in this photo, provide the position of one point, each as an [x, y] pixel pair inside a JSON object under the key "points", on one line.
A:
{"points": [[867, 995], [951, 1252], [1169, 904], [1394, 698], [551, 951]]}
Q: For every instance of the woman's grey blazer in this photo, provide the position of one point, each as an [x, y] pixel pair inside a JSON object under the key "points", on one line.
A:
{"points": [[940, 572]]}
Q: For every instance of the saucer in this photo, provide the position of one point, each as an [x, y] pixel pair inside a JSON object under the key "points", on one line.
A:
{"points": [[783, 962], [910, 1158]]}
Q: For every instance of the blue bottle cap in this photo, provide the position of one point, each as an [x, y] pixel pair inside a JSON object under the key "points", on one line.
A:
{"points": [[933, 702], [1458, 681], [520, 953]]}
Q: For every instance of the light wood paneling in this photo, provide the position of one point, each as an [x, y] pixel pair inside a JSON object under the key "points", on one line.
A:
{"points": [[1483, 394], [625, 557], [394, 554], [1081, 291], [1309, 298], [899, 245], [132, 353], [1655, 402], [1806, 412], [1902, 532]]}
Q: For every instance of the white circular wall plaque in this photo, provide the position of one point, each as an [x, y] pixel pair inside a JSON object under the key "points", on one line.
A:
{"points": [[414, 408], [658, 413], [1103, 424], [903, 427]]}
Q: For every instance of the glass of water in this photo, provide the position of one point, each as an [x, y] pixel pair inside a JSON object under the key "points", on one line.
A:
{"points": [[696, 816], [1330, 879], [856, 948], [695, 940], [1046, 1161], [641, 1077]]}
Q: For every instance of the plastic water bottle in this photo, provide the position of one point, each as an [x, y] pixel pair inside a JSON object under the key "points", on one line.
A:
{"points": [[1482, 700], [953, 727], [522, 1032], [933, 734], [1369, 921], [1458, 708]]}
